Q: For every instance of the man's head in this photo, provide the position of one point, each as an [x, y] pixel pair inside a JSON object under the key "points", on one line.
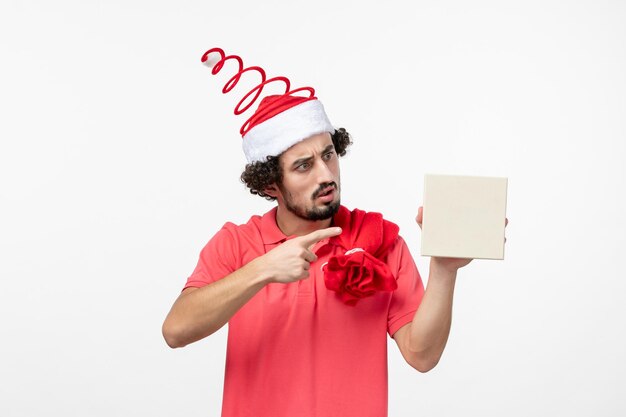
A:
{"points": [[305, 178], [287, 129]]}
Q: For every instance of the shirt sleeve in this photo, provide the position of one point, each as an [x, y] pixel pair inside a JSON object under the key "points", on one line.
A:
{"points": [[407, 297], [217, 259]]}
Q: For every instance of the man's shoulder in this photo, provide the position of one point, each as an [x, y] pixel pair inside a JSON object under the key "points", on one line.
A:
{"points": [[249, 231], [254, 222], [357, 213]]}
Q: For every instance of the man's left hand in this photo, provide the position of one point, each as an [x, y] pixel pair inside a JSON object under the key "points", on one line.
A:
{"points": [[451, 264]]}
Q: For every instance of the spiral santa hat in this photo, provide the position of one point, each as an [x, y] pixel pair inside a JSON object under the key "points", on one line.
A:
{"points": [[280, 121]]}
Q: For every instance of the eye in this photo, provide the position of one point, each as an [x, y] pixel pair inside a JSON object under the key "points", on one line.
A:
{"points": [[327, 156], [303, 166]]}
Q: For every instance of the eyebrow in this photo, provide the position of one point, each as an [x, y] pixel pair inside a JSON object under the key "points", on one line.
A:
{"points": [[308, 158]]}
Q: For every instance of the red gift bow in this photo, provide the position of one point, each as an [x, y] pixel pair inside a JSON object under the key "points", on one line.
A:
{"points": [[361, 271]]}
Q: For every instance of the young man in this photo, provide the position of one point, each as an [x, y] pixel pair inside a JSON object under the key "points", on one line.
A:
{"points": [[310, 289]]}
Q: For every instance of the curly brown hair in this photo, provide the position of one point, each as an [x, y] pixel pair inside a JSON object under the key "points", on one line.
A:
{"points": [[259, 175]]}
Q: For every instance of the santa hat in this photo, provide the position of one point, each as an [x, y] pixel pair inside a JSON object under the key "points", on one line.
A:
{"points": [[280, 121]]}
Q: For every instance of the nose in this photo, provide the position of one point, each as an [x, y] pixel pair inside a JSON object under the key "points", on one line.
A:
{"points": [[323, 172]]}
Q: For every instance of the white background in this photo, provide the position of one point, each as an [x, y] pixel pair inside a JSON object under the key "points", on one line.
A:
{"points": [[120, 158]]}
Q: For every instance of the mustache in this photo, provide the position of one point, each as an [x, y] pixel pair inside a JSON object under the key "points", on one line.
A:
{"points": [[322, 188]]}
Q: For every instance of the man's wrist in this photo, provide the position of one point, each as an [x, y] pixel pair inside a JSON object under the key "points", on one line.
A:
{"points": [[440, 269], [260, 274]]}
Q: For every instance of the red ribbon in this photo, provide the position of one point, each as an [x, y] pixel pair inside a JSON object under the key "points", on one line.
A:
{"points": [[362, 270]]}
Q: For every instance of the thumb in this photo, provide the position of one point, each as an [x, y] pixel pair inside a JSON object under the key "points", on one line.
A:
{"points": [[420, 216]]}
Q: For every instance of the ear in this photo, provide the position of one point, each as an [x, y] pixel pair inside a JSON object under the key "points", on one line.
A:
{"points": [[271, 190]]}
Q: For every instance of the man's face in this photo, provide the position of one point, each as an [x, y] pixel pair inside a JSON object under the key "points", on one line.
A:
{"points": [[311, 186]]}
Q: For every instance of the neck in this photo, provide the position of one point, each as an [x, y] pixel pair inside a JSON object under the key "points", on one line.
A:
{"points": [[290, 224]]}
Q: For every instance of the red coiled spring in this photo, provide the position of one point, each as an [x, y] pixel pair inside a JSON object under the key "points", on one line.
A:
{"points": [[256, 91]]}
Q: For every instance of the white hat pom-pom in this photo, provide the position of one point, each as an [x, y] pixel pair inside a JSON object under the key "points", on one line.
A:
{"points": [[212, 60]]}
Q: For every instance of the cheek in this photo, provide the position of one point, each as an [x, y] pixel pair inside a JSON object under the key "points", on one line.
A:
{"points": [[297, 187], [334, 166]]}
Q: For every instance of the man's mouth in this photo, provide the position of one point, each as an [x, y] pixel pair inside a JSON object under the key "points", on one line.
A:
{"points": [[327, 191], [327, 194]]}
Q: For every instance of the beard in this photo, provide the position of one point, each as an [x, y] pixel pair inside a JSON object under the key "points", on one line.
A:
{"points": [[313, 213]]}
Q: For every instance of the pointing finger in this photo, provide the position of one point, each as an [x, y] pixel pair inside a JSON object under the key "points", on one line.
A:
{"points": [[314, 237]]}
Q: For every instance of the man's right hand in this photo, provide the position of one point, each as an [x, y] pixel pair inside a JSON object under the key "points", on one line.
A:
{"points": [[291, 260]]}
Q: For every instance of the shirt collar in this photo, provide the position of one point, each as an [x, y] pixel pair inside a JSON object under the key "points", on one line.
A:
{"points": [[270, 232]]}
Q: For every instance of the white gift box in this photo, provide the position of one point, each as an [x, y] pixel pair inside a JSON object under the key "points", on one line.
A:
{"points": [[464, 216]]}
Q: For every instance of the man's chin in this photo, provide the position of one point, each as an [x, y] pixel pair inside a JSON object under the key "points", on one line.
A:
{"points": [[324, 211], [327, 211]]}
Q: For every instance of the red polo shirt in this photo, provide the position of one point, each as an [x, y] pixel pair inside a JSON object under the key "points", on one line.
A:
{"points": [[295, 349]]}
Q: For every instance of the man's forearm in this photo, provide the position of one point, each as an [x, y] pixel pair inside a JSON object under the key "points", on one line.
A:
{"points": [[431, 325], [198, 313]]}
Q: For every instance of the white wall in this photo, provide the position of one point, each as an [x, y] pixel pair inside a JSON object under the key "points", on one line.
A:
{"points": [[120, 158]]}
